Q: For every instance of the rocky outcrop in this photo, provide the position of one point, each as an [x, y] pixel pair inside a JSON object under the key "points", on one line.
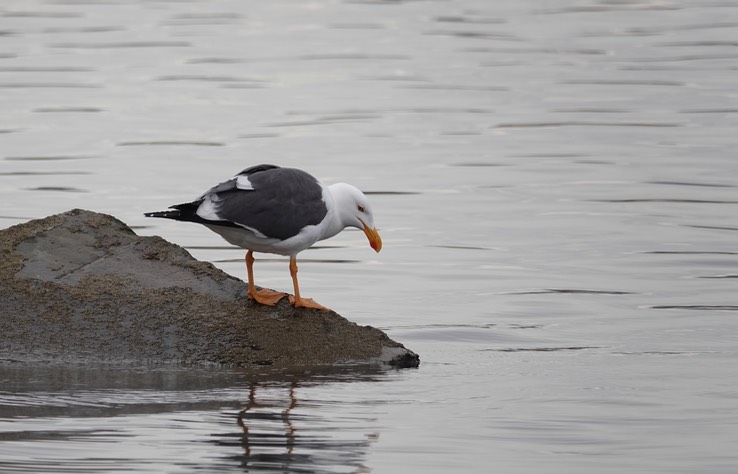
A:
{"points": [[83, 287]]}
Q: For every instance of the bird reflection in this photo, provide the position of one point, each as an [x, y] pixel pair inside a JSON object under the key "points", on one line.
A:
{"points": [[274, 437], [286, 419], [285, 416]]}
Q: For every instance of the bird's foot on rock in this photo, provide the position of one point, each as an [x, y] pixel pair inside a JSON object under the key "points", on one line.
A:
{"points": [[267, 296], [306, 303]]}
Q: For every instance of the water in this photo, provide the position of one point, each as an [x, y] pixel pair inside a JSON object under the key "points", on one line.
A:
{"points": [[555, 185]]}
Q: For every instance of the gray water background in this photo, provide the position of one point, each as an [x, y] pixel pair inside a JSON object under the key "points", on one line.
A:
{"points": [[555, 184]]}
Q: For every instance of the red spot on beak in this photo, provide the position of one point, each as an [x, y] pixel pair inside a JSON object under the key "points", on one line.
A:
{"points": [[374, 239]]}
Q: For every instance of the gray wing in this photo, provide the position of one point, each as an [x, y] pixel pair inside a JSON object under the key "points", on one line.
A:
{"points": [[277, 202]]}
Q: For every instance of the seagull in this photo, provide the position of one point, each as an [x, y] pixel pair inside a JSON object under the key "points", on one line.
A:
{"points": [[270, 209]]}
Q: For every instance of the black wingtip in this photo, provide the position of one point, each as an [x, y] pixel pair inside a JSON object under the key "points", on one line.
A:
{"points": [[169, 214], [181, 212]]}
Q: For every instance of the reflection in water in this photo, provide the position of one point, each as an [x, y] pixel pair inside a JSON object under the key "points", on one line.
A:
{"points": [[290, 428], [271, 440], [196, 419]]}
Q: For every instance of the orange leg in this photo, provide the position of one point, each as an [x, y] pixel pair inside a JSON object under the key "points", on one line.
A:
{"points": [[264, 295], [296, 300]]}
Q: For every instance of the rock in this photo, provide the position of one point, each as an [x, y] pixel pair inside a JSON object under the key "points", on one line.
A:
{"points": [[83, 287]]}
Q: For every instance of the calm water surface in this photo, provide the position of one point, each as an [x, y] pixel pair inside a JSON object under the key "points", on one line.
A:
{"points": [[555, 183]]}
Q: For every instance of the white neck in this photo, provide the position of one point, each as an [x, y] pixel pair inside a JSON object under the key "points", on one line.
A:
{"points": [[340, 215]]}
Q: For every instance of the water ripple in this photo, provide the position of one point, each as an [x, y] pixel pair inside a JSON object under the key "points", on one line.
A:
{"points": [[48, 85], [625, 82], [66, 189], [123, 45], [40, 14], [669, 200], [50, 69], [699, 307], [544, 349], [575, 291], [691, 183], [49, 158], [583, 123], [170, 143], [72, 110]]}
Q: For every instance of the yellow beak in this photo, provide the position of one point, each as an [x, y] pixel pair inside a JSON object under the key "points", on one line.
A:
{"points": [[374, 239]]}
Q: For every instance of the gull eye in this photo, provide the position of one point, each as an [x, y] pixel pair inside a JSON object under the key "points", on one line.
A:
{"points": [[360, 208]]}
